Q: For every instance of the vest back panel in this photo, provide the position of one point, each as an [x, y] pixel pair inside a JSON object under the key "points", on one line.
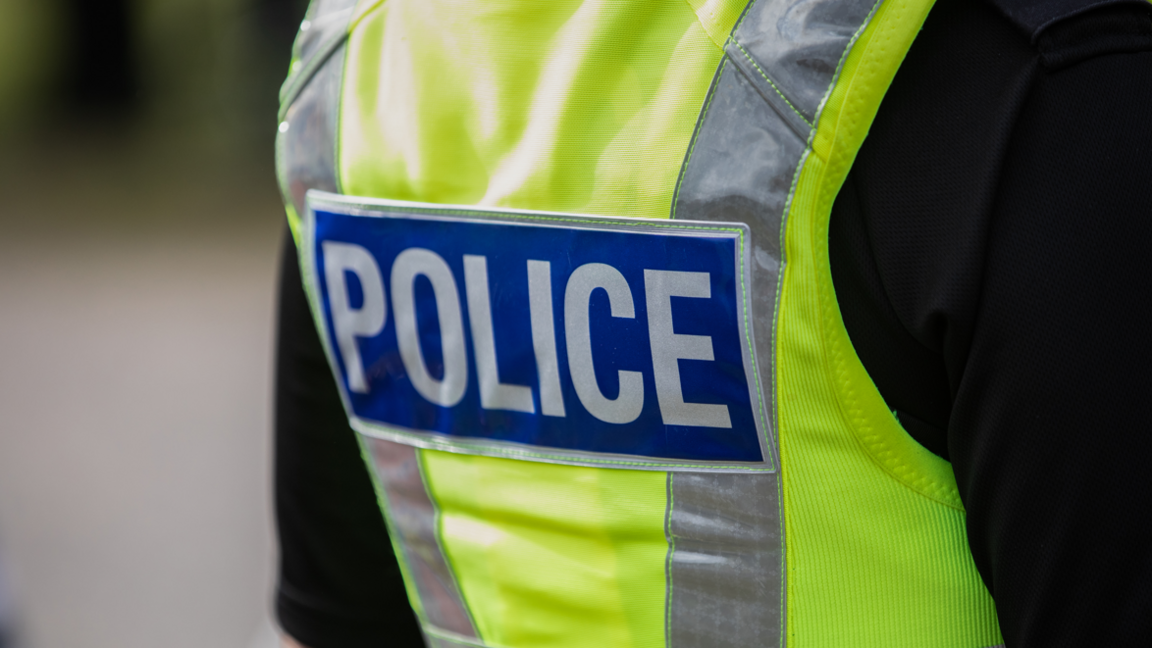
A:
{"points": [[596, 108]]}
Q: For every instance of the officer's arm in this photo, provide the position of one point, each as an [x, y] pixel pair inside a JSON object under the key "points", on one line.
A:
{"points": [[991, 256], [1049, 436], [339, 582]]}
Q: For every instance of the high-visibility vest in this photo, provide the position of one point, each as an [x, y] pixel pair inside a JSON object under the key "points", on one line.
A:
{"points": [[433, 151]]}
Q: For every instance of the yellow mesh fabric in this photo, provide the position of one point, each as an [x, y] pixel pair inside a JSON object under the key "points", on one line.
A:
{"points": [[876, 549], [717, 17], [559, 105], [554, 555]]}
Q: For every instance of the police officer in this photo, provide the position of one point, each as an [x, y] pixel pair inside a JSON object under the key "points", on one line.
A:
{"points": [[716, 323]]}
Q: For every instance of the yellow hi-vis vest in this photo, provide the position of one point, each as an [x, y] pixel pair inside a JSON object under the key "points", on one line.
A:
{"points": [[417, 137]]}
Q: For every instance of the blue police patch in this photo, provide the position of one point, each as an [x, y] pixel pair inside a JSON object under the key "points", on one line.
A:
{"points": [[551, 337]]}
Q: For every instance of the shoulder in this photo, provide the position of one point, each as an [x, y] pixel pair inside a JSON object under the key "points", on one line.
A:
{"points": [[1034, 17], [991, 93], [1066, 32]]}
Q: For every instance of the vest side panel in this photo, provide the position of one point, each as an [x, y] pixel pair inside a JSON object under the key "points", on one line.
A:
{"points": [[877, 551], [567, 106], [554, 555]]}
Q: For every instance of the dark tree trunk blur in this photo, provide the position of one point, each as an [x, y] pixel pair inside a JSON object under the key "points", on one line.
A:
{"points": [[101, 71]]}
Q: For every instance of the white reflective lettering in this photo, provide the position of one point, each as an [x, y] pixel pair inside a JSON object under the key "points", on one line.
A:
{"points": [[366, 321], [410, 264], [668, 348], [494, 395], [544, 337], [627, 405]]}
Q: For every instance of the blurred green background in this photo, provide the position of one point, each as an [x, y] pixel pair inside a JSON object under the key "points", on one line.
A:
{"points": [[203, 71], [140, 230]]}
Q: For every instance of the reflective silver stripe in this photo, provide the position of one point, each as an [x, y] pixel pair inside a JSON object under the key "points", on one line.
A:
{"points": [[725, 567], [310, 101], [742, 163], [413, 516], [726, 561], [799, 46], [306, 143], [324, 28]]}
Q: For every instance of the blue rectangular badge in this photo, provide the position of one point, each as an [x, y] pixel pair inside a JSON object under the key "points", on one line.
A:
{"points": [[566, 338]]}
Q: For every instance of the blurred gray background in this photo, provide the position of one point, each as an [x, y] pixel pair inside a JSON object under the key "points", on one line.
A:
{"points": [[140, 228]]}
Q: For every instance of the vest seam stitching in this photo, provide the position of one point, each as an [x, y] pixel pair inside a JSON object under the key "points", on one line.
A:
{"points": [[746, 298], [337, 144], [696, 134], [785, 562], [464, 212], [668, 562], [438, 534], [297, 83], [740, 22], [756, 65], [840, 64], [712, 15], [763, 412], [456, 446]]}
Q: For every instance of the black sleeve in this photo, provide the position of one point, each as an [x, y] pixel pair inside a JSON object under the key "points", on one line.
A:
{"points": [[339, 585], [991, 254], [1052, 416]]}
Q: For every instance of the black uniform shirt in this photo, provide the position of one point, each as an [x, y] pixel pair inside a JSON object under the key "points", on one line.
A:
{"points": [[991, 253]]}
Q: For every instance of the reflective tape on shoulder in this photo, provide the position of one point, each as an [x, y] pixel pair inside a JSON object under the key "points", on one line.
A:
{"points": [[615, 342]]}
